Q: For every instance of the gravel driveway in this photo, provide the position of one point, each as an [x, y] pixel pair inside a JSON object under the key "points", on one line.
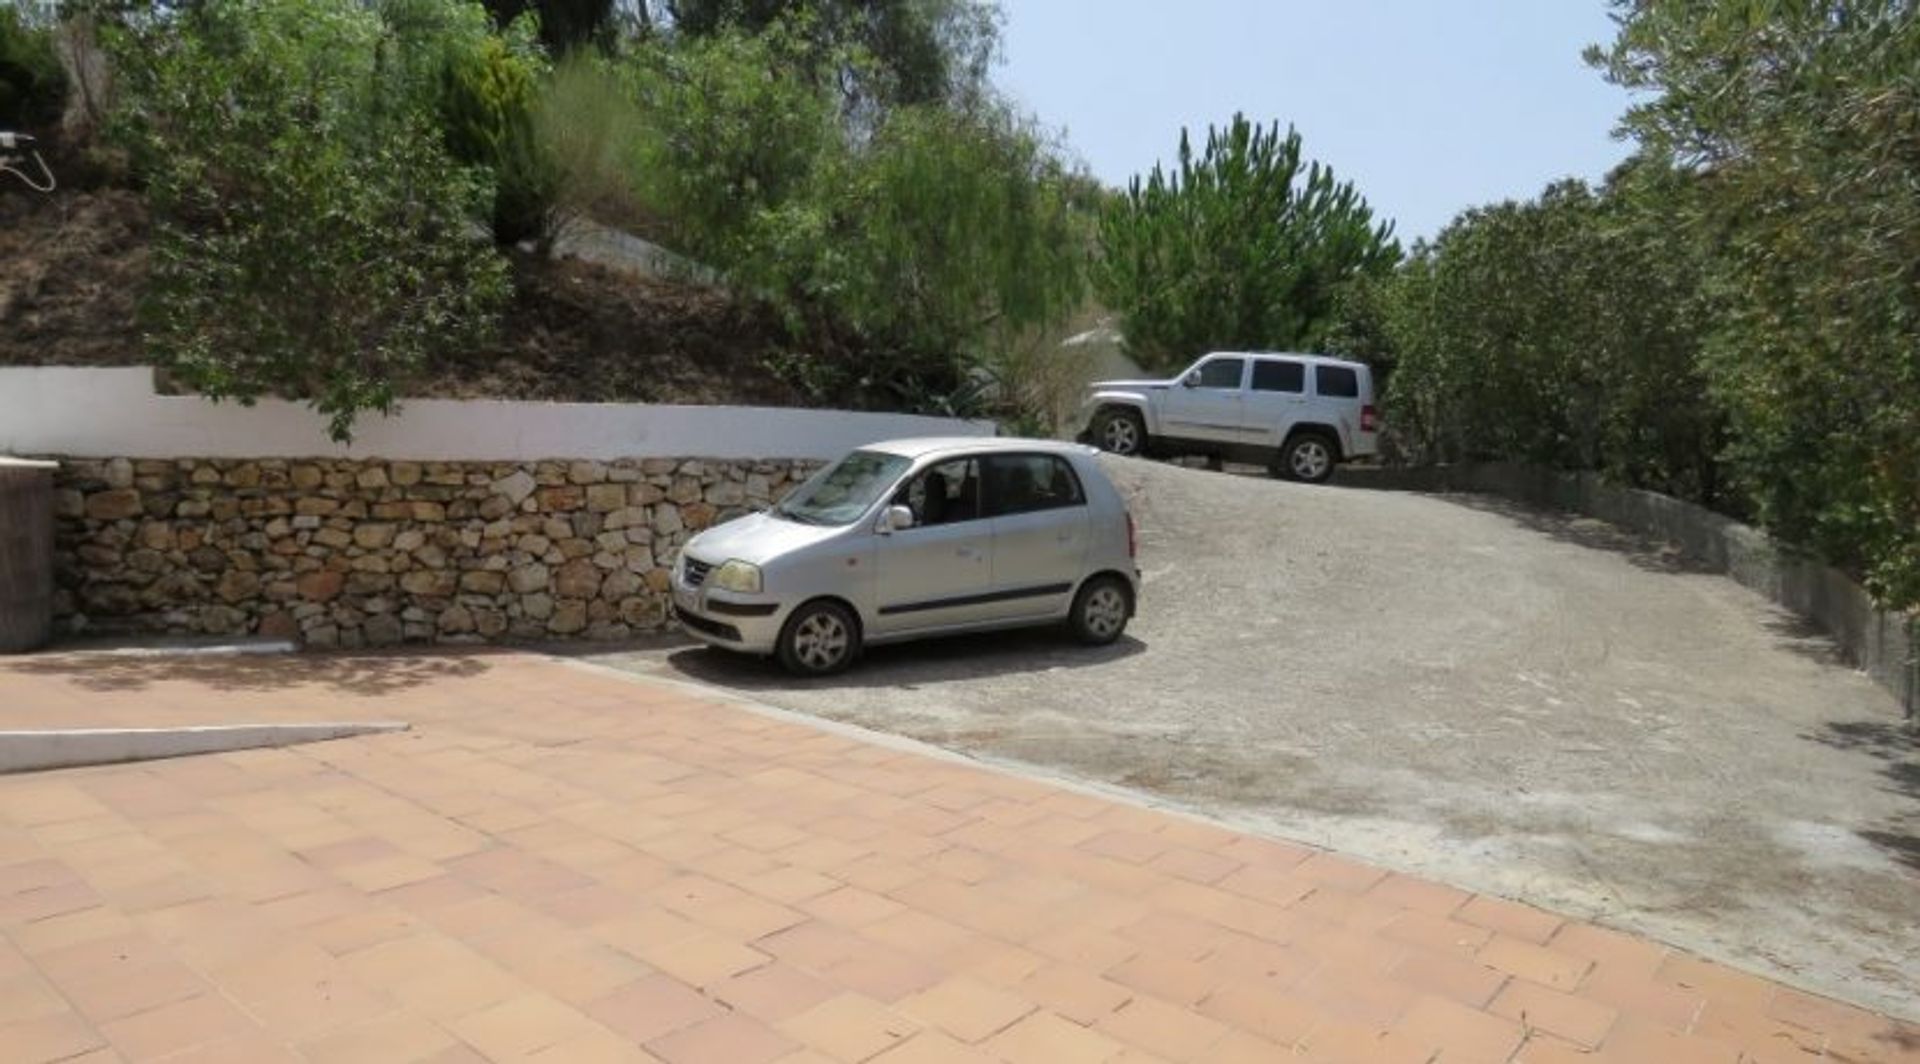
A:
{"points": [[1528, 705]]}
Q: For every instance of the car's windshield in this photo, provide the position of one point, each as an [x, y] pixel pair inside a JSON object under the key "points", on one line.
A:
{"points": [[840, 493]]}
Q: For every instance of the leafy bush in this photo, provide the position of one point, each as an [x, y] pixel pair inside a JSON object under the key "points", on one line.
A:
{"points": [[1244, 247], [312, 238], [928, 242], [1804, 122], [1560, 331], [33, 88]]}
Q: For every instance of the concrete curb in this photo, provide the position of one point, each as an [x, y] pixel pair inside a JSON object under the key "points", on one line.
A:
{"points": [[35, 751], [1885, 645]]}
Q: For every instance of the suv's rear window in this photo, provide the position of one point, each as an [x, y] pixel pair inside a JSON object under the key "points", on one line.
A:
{"points": [[1279, 377], [1337, 381]]}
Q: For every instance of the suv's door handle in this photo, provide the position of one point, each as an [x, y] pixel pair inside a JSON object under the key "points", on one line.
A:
{"points": [[967, 552]]}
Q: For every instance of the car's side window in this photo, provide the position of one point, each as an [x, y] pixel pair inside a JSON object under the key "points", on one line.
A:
{"points": [[1276, 375], [1024, 483], [1337, 381], [1221, 373], [945, 494]]}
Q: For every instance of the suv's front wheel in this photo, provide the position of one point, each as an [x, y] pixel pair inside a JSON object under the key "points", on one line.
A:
{"points": [[1308, 457], [1121, 431]]}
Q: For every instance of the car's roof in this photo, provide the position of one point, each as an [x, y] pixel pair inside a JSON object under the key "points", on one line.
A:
{"points": [[922, 446], [1297, 356]]}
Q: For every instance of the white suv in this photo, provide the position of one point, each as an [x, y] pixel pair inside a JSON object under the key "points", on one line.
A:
{"points": [[1298, 415]]}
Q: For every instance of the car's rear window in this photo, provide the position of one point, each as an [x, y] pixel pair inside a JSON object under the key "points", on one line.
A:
{"points": [[1337, 381]]}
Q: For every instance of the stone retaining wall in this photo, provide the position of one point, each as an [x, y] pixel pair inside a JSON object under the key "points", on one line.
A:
{"points": [[374, 552]]}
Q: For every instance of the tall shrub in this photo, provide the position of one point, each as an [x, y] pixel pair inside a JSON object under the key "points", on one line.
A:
{"points": [[312, 237]]}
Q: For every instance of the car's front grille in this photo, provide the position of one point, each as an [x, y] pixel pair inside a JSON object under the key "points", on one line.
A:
{"points": [[696, 570], [711, 627]]}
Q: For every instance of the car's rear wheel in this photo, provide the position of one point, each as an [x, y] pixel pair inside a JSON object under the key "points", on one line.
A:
{"points": [[1120, 431], [1308, 457], [1101, 610], [820, 639]]}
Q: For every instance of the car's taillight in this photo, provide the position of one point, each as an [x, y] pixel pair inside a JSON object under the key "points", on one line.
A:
{"points": [[1369, 419], [1133, 539]]}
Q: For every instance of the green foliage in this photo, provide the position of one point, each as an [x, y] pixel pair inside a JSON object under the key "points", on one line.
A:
{"points": [[1244, 247], [33, 88], [312, 238], [917, 51], [585, 156], [1803, 120], [1561, 331], [927, 241]]}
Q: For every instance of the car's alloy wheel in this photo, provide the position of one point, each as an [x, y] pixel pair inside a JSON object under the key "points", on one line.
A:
{"points": [[1121, 432], [1309, 458], [818, 640], [1101, 611]]}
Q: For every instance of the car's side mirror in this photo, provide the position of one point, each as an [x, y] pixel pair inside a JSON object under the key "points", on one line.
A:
{"points": [[894, 519], [1191, 380]]}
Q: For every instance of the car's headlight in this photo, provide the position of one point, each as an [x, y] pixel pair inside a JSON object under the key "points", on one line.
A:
{"points": [[737, 576]]}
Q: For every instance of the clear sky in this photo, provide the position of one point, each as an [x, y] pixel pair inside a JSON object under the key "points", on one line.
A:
{"points": [[1428, 106]]}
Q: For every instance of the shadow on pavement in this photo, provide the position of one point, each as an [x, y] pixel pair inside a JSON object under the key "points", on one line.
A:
{"points": [[1896, 748], [354, 673], [1588, 532], [927, 661]]}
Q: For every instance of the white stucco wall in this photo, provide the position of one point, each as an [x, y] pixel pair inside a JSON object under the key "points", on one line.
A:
{"points": [[112, 412]]}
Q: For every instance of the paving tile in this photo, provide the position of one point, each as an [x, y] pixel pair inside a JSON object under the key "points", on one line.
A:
{"points": [[1171, 1032], [731, 1038], [849, 1027], [967, 1008], [1536, 1008], [1538, 964], [1451, 1027], [519, 1026], [1044, 1038], [1509, 918], [176, 1027], [46, 1038], [652, 1007]]}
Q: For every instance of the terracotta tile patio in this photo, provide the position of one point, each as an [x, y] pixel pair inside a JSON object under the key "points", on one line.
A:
{"points": [[560, 864]]}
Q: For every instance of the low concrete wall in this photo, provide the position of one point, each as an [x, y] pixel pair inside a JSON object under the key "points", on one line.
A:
{"points": [[1879, 642], [105, 413]]}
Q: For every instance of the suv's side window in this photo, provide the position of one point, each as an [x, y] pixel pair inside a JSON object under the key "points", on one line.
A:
{"points": [[943, 495], [1337, 381], [1024, 483], [1273, 375], [1222, 373]]}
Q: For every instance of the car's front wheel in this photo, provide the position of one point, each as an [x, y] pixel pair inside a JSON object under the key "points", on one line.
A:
{"points": [[820, 639], [1120, 431], [1101, 610]]}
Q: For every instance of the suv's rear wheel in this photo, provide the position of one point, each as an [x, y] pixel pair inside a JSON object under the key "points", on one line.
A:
{"points": [[1120, 431], [1101, 610], [1308, 457], [820, 639]]}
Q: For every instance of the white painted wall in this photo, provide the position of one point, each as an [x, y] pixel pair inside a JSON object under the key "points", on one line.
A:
{"points": [[113, 412]]}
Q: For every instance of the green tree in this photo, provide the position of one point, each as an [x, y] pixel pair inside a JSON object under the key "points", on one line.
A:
{"points": [[312, 238], [1802, 120], [919, 51], [1245, 246]]}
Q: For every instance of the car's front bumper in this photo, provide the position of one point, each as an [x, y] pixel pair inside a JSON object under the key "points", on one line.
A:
{"points": [[747, 623]]}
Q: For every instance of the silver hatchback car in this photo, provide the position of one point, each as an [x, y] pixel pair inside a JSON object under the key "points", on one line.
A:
{"points": [[915, 538]]}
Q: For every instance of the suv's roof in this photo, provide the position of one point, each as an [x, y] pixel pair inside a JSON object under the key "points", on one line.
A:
{"points": [[920, 447], [1317, 360]]}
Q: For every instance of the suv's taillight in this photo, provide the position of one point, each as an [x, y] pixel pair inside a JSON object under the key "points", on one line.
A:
{"points": [[1133, 539], [1369, 419]]}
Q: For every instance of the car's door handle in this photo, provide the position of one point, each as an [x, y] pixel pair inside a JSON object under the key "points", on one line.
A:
{"points": [[967, 552]]}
